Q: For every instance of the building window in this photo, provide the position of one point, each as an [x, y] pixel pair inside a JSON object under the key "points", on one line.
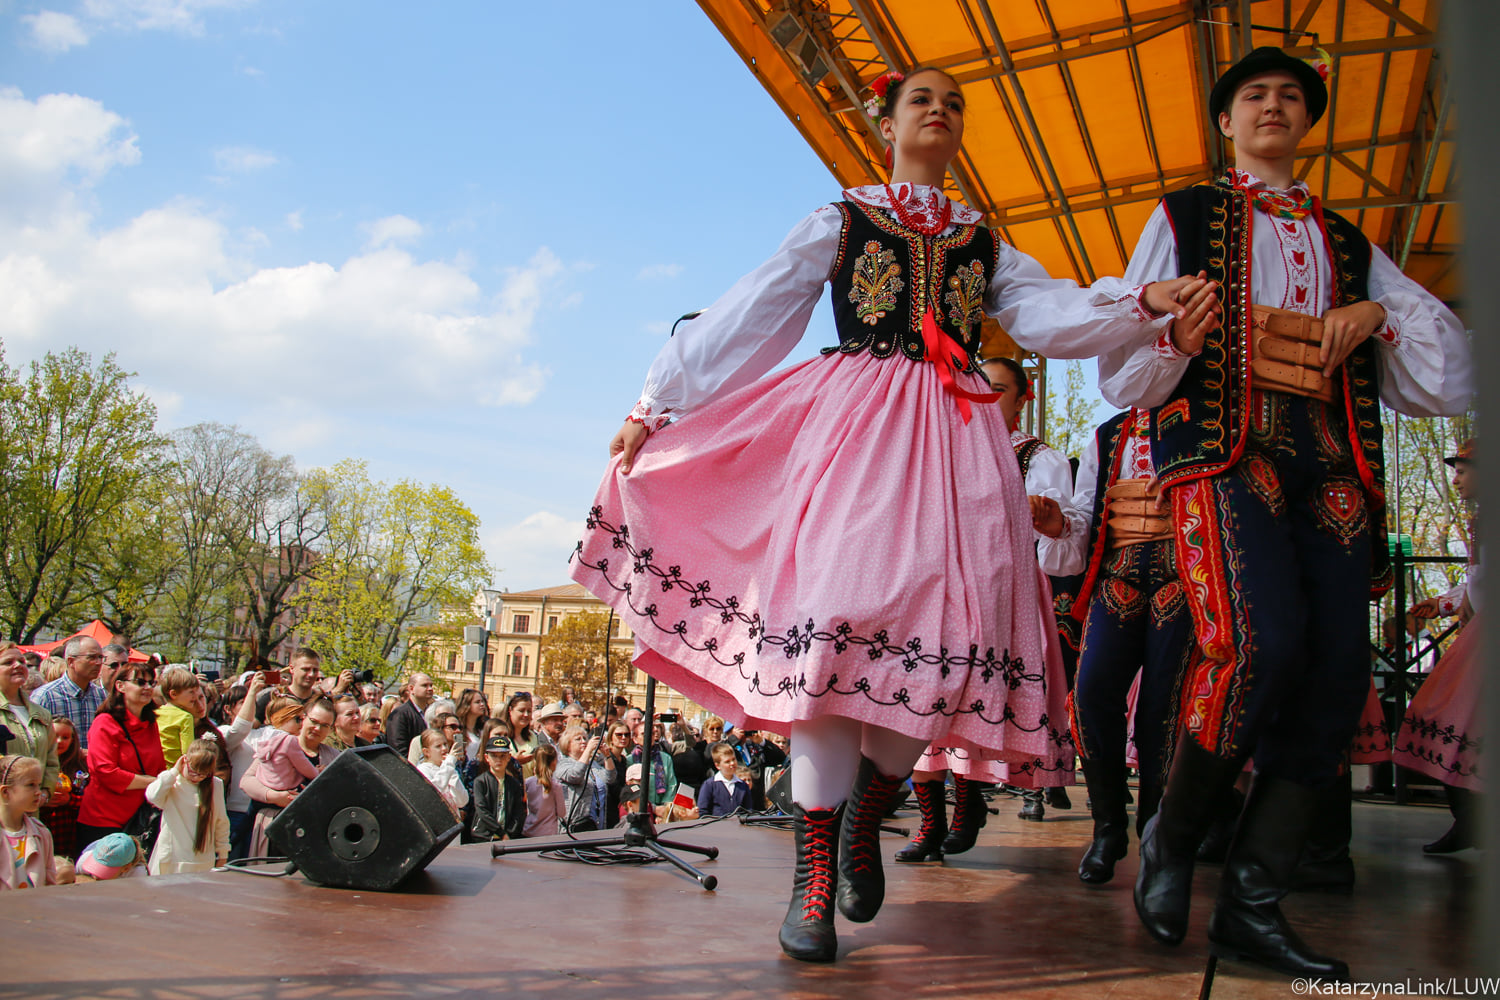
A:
{"points": [[452, 662], [468, 667], [520, 624], [551, 623], [517, 661], [489, 662], [614, 628]]}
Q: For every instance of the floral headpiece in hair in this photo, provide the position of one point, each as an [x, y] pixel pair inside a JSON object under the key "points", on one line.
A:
{"points": [[1322, 64], [875, 106]]}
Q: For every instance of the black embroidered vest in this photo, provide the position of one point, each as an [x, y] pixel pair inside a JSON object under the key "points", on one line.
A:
{"points": [[885, 275], [1201, 429], [1024, 451], [1107, 441]]}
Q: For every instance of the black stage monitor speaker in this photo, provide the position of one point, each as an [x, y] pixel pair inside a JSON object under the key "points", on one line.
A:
{"points": [[368, 821], [779, 787]]}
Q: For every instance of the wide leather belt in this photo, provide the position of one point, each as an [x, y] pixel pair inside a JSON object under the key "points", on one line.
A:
{"points": [[1284, 348], [1133, 517]]}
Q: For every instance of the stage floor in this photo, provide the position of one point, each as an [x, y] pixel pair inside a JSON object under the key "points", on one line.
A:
{"points": [[1009, 917]]}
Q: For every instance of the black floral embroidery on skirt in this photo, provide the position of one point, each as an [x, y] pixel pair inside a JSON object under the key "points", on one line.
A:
{"points": [[799, 640], [1442, 746]]}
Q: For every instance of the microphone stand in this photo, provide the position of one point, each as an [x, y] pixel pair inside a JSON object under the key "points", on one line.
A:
{"points": [[640, 827]]}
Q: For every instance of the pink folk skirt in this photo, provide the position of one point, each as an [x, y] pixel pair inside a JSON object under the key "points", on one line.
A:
{"points": [[1372, 740], [834, 540], [1442, 735], [1054, 769]]}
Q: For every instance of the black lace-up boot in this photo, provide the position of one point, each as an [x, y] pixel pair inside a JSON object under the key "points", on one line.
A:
{"points": [[927, 845], [861, 876], [807, 932], [969, 814]]}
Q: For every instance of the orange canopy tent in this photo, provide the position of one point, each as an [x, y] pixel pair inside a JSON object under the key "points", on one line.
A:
{"points": [[95, 630]]}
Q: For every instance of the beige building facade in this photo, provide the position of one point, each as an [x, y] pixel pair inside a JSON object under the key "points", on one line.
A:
{"points": [[514, 655]]}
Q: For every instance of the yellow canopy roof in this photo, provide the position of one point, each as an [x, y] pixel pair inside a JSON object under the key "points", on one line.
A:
{"points": [[1082, 113]]}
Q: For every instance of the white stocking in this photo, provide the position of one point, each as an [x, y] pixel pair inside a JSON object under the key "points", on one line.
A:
{"points": [[826, 752], [825, 755], [891, 752]]}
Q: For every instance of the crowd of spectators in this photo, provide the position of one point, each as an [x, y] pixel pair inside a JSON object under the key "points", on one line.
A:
{"points": [[113, 768]]}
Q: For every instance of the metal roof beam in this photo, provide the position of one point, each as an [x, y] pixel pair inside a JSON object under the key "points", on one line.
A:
{"points": [[1370, 179], [1400, 17], [1036, 136]]}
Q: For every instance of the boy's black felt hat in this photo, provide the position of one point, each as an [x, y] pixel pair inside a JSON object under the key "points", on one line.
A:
{"points": [[1269, 59]]}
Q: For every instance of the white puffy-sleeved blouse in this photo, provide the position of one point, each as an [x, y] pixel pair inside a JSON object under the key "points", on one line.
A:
{"points": [[1423, 349], [759, 321]]}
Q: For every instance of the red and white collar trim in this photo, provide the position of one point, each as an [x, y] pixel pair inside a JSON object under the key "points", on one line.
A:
{"points": [[923, 202], [1246, 181]]}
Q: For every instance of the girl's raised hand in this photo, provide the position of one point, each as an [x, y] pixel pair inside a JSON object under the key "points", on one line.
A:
{"points": [[627, 442]]}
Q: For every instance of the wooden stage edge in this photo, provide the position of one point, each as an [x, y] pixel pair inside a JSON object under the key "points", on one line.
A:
{"points": [[1009, 917]]}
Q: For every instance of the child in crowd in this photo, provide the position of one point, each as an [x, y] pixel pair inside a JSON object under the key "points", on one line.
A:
{"points": [[194, 821], [499, 795], [115, 856], [545, 799], [439, 765], [725, 792], [29, 860], [282, 766]]}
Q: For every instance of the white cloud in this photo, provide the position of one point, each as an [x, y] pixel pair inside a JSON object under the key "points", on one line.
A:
{"points": [[172, 291], [54, 31], [533, 552], [171, 15], [392, 230], [243, 159], [168, 403], [657, 271], [60, 137], [294, 221]]}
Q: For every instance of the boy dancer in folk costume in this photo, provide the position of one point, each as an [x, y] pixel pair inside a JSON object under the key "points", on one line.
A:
{"points": [[841, 549], [1135, 621], [1270, 455], [1059, 531]]}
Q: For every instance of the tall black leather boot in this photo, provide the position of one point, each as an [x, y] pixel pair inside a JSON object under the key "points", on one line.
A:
{"points": [[1164, 884], [1032, 805], [927, 845], [1247, 924], [1106, 784], [807, 931], [861, 877], [1326, 865], [1215, 846], [969, 814]]}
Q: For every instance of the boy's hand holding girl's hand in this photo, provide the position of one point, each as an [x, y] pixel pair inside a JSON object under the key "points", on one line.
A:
{"points": [[1193, 302]]}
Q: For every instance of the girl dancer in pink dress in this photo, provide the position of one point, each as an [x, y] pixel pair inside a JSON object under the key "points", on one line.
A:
{"points": [[842, 550], [1442, 734]]}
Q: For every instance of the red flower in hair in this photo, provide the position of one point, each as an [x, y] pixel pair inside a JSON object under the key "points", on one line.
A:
{"points": [[881, 86]]}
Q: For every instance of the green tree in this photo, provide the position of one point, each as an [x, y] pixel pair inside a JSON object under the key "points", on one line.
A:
{"points": [[392, 557], [573, 656], [1070, 410], [77, 446], [133, 567], [1420, 494]]}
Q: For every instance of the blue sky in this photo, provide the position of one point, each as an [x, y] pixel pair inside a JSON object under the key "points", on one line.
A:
{"points": [[445, 238]]}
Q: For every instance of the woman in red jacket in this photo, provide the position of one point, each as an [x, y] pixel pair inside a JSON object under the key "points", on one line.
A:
{"points": [[124, 756]]}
